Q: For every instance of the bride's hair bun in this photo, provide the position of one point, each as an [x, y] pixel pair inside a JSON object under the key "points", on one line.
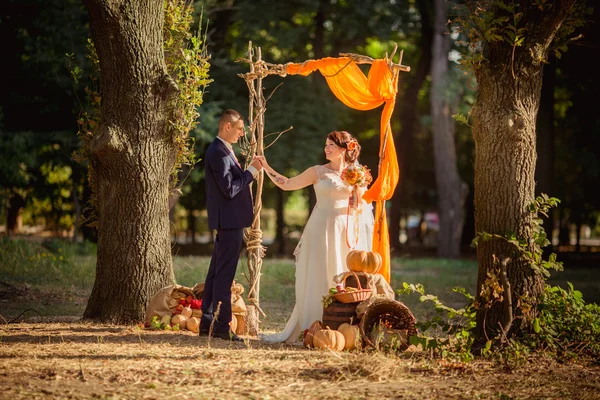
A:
{"points": [[346, 141]]}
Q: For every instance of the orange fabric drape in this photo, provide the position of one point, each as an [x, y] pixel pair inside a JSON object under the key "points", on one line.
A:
{"points": [[354, 89]]}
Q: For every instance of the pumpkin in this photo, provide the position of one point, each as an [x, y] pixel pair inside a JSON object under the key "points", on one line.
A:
{"points": [[363, 261], [351, 335], [186, 312], [179, 319], [329, 339], [233, 323], [193, 324]]}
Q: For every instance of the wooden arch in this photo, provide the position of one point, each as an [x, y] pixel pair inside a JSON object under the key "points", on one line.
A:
{"points": [[260, 69]]}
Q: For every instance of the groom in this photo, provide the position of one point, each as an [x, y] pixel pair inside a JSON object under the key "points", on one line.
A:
{"points": [[230, 210]]}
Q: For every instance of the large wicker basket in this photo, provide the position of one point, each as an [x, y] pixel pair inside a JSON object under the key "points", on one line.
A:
{"points": [[353, 297], [390, 313]]}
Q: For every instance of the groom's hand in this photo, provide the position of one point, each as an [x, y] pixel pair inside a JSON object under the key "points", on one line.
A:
{"points": [[256, 163], [262, 160]]}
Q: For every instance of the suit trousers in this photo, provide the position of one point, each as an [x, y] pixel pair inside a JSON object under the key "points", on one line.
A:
{"points": [[217, 287]]}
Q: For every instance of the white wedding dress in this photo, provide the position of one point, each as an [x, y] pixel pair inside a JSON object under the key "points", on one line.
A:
{"points": [[322, 250]]}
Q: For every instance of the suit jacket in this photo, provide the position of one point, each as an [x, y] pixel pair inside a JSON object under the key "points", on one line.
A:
{"points": [[228, 197]]}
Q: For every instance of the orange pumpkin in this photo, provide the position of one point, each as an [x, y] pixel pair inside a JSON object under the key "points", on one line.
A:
{"points": [[329, 339], [363, 261]]}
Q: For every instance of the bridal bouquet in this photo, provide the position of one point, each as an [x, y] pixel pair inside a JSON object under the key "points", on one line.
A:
{"points": [[357, 175]]}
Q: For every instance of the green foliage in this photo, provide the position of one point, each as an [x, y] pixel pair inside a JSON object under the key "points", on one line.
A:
{"points": [[452, 328], [187, 58], [567, 326], [530, 249], [488, 23]]}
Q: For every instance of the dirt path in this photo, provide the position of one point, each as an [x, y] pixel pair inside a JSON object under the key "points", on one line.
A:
{"points": [[81, 360]]}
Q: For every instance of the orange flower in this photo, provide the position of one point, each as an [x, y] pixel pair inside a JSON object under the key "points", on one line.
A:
{"points": [[351, 145]]}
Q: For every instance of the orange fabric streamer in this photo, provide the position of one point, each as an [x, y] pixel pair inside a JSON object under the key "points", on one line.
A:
{"points": [[360, 92]]}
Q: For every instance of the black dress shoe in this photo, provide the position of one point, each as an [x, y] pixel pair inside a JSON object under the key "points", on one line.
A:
{"points": [[227, 336]]}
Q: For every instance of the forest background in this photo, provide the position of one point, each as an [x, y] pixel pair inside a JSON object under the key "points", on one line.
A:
{"points": [[44, 190]]}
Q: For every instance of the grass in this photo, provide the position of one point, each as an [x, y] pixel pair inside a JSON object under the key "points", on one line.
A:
{"points": [[63, 273]]}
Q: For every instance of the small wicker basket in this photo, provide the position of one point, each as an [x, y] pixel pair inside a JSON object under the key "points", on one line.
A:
{"points": [[353, 297]]}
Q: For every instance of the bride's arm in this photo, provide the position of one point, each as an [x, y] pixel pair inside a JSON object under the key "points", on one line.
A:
{"points": [[306, 178]]}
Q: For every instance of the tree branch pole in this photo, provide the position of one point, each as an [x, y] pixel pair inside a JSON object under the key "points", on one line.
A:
{"points": [[253, 235]]}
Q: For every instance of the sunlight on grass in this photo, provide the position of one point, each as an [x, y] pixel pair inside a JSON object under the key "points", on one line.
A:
{"points": [[51, 263], [438, 277], [69, 268]]}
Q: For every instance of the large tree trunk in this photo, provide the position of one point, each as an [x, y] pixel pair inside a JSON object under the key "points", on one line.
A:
{"points": [[450, 188], [132, 157], [504, 122], [407, 110]]}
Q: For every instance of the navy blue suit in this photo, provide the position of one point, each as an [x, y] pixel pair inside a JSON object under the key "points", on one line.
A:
{"points": [[230, 210]]}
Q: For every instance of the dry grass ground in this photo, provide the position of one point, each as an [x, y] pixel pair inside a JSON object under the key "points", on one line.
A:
{"points": [[48, 353], [80, 360]]}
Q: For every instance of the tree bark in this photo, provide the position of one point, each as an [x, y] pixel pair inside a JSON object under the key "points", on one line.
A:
{"points": [[504, 116], [132, 156], [450, 188], [408, 118]]}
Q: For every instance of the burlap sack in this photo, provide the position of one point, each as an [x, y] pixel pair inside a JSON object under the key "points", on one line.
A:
{"points": [[164, 300]]}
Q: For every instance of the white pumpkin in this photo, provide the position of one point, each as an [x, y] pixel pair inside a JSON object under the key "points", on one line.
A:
{"points": [[186, 312], [351, 336], [181, 320], [193, 324]]}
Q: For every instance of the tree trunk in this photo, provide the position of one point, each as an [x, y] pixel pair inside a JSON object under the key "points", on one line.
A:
{"points": [[132, 156], [450, 188], [13, 214], [504, 122], [504, 182], [408, 118]]}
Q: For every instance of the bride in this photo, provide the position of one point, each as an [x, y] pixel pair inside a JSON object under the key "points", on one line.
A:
{"points": [[323, 247]]}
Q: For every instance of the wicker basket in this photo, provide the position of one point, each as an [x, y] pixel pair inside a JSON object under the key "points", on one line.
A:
{"points": [[391, 313], [353, 297]]}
